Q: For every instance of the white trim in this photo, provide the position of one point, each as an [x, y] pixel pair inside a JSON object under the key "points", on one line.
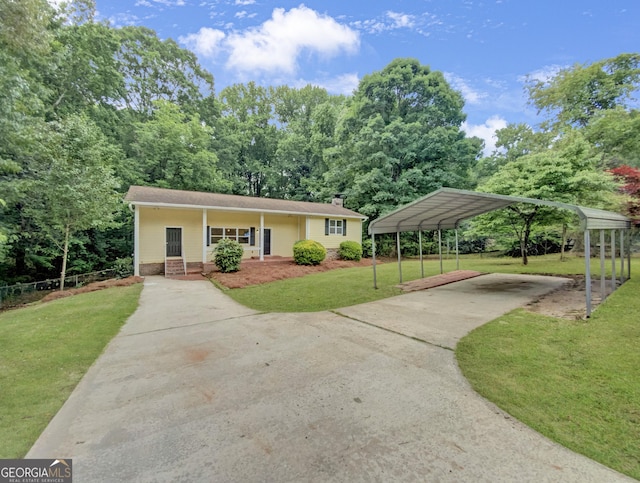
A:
{"points": [[136, 241], [246, 210], [204, 235], [261, 236]]}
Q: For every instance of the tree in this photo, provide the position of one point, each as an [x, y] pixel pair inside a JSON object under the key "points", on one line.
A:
{"points": [[73, 188], [566, 173], [306, 119], [173, 150], [399, 138], [155, 69], [615, 134], [629, 178], [574, 95], [246, 137]]}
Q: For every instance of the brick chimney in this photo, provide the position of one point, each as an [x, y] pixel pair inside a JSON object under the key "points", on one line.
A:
{"points": [[337, 200]]}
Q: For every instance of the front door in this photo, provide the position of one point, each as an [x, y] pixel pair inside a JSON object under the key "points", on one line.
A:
{"points": [[174, 242], [267, 241]]}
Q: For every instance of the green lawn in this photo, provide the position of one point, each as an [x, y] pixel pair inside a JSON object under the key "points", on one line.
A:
{"points": [[45, 349], [577, 382], [345, 287]]}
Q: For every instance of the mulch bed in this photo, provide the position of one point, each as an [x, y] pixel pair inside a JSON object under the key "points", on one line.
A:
{"points": [[255, 273], [92, 287]]}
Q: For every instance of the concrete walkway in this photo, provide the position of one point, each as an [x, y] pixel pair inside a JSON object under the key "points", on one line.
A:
{"points": [[197, 388]]}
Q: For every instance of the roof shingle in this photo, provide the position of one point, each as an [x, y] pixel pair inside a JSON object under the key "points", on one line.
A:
{"points": [[148, 195]]}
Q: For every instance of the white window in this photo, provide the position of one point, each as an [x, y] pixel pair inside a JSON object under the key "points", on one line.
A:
{"points": [[241, 235], [336, 227]]}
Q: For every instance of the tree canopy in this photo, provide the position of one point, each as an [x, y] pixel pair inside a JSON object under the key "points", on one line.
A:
{"points": [[87, 109]]}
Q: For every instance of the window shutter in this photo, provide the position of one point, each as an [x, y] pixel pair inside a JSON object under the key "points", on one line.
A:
{"points": [[326, 226], [344, 227], [252, 236], [208, 235]]}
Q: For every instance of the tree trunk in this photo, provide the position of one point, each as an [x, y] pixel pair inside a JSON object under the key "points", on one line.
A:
{"points": [[564, 241], [65, 252]]}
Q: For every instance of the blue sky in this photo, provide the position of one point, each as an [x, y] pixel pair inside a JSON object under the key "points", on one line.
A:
{"points": [[486, 49]]}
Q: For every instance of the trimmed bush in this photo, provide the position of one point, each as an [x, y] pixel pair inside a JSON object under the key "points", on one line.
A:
{"points": [[123, 267], [308, 252], [228, 255], [350, 250]]}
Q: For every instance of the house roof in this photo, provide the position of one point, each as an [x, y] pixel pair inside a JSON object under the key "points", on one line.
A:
{"points": [[447, 207], [162, 197]]}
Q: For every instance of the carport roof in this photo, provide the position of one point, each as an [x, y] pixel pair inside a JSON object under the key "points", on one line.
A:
{"points": [[447, 207]]}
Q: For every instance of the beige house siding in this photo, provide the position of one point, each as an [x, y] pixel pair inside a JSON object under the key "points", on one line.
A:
{"points": [[286, 229], [154, 221], [317, 232]]}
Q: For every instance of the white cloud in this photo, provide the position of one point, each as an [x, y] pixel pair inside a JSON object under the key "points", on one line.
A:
{"points": [[486, 132], [342, 84], [206, 42], [471, 95], [245, 2], [391, 21], [401, 20], [276, 45], [542, 75]]}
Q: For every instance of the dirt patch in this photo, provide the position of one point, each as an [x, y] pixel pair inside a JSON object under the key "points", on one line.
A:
{"points": [[567, 302], [92, 287], [255, 273]]}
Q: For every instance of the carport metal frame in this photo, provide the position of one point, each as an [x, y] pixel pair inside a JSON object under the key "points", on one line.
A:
{"points": [[446, 208]]}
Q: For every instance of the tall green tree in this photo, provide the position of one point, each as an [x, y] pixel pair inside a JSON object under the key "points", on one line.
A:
{"points": [[567, 173], [306, 119], [247, 137], [400, 137], [574, 95], [73, 186], [155, 69], [174, 150]]}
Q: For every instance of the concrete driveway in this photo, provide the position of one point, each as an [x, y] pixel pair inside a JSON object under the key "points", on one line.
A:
{"points": [[198, 388]]}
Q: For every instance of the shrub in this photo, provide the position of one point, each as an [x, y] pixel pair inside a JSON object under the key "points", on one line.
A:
{"points": [[308, 252], [350, 250], [227, 255], [367, 248], [123, 267]]}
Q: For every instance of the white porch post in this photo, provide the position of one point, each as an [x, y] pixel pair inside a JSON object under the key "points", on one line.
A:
{"points": [[204, 236], [261, 237], [307, 227], [136, 241]]}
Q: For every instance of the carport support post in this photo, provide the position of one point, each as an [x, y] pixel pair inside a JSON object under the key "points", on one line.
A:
{"points": [[629, 254], [373, 256], [622, 279], [587, 270], [440, 248], [421, 261], [613, 261], [399, 257], [603, 284], [457, 252]]}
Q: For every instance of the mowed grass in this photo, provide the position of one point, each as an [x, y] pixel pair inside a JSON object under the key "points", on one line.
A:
{"points": [[45, 349], [577, 382], [350, 286]]}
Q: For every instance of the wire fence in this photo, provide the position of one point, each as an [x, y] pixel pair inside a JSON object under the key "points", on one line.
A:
{"points": [[20, 292]]}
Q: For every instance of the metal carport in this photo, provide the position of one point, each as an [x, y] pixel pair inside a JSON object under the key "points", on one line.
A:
{"points": [[446, 208]]}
